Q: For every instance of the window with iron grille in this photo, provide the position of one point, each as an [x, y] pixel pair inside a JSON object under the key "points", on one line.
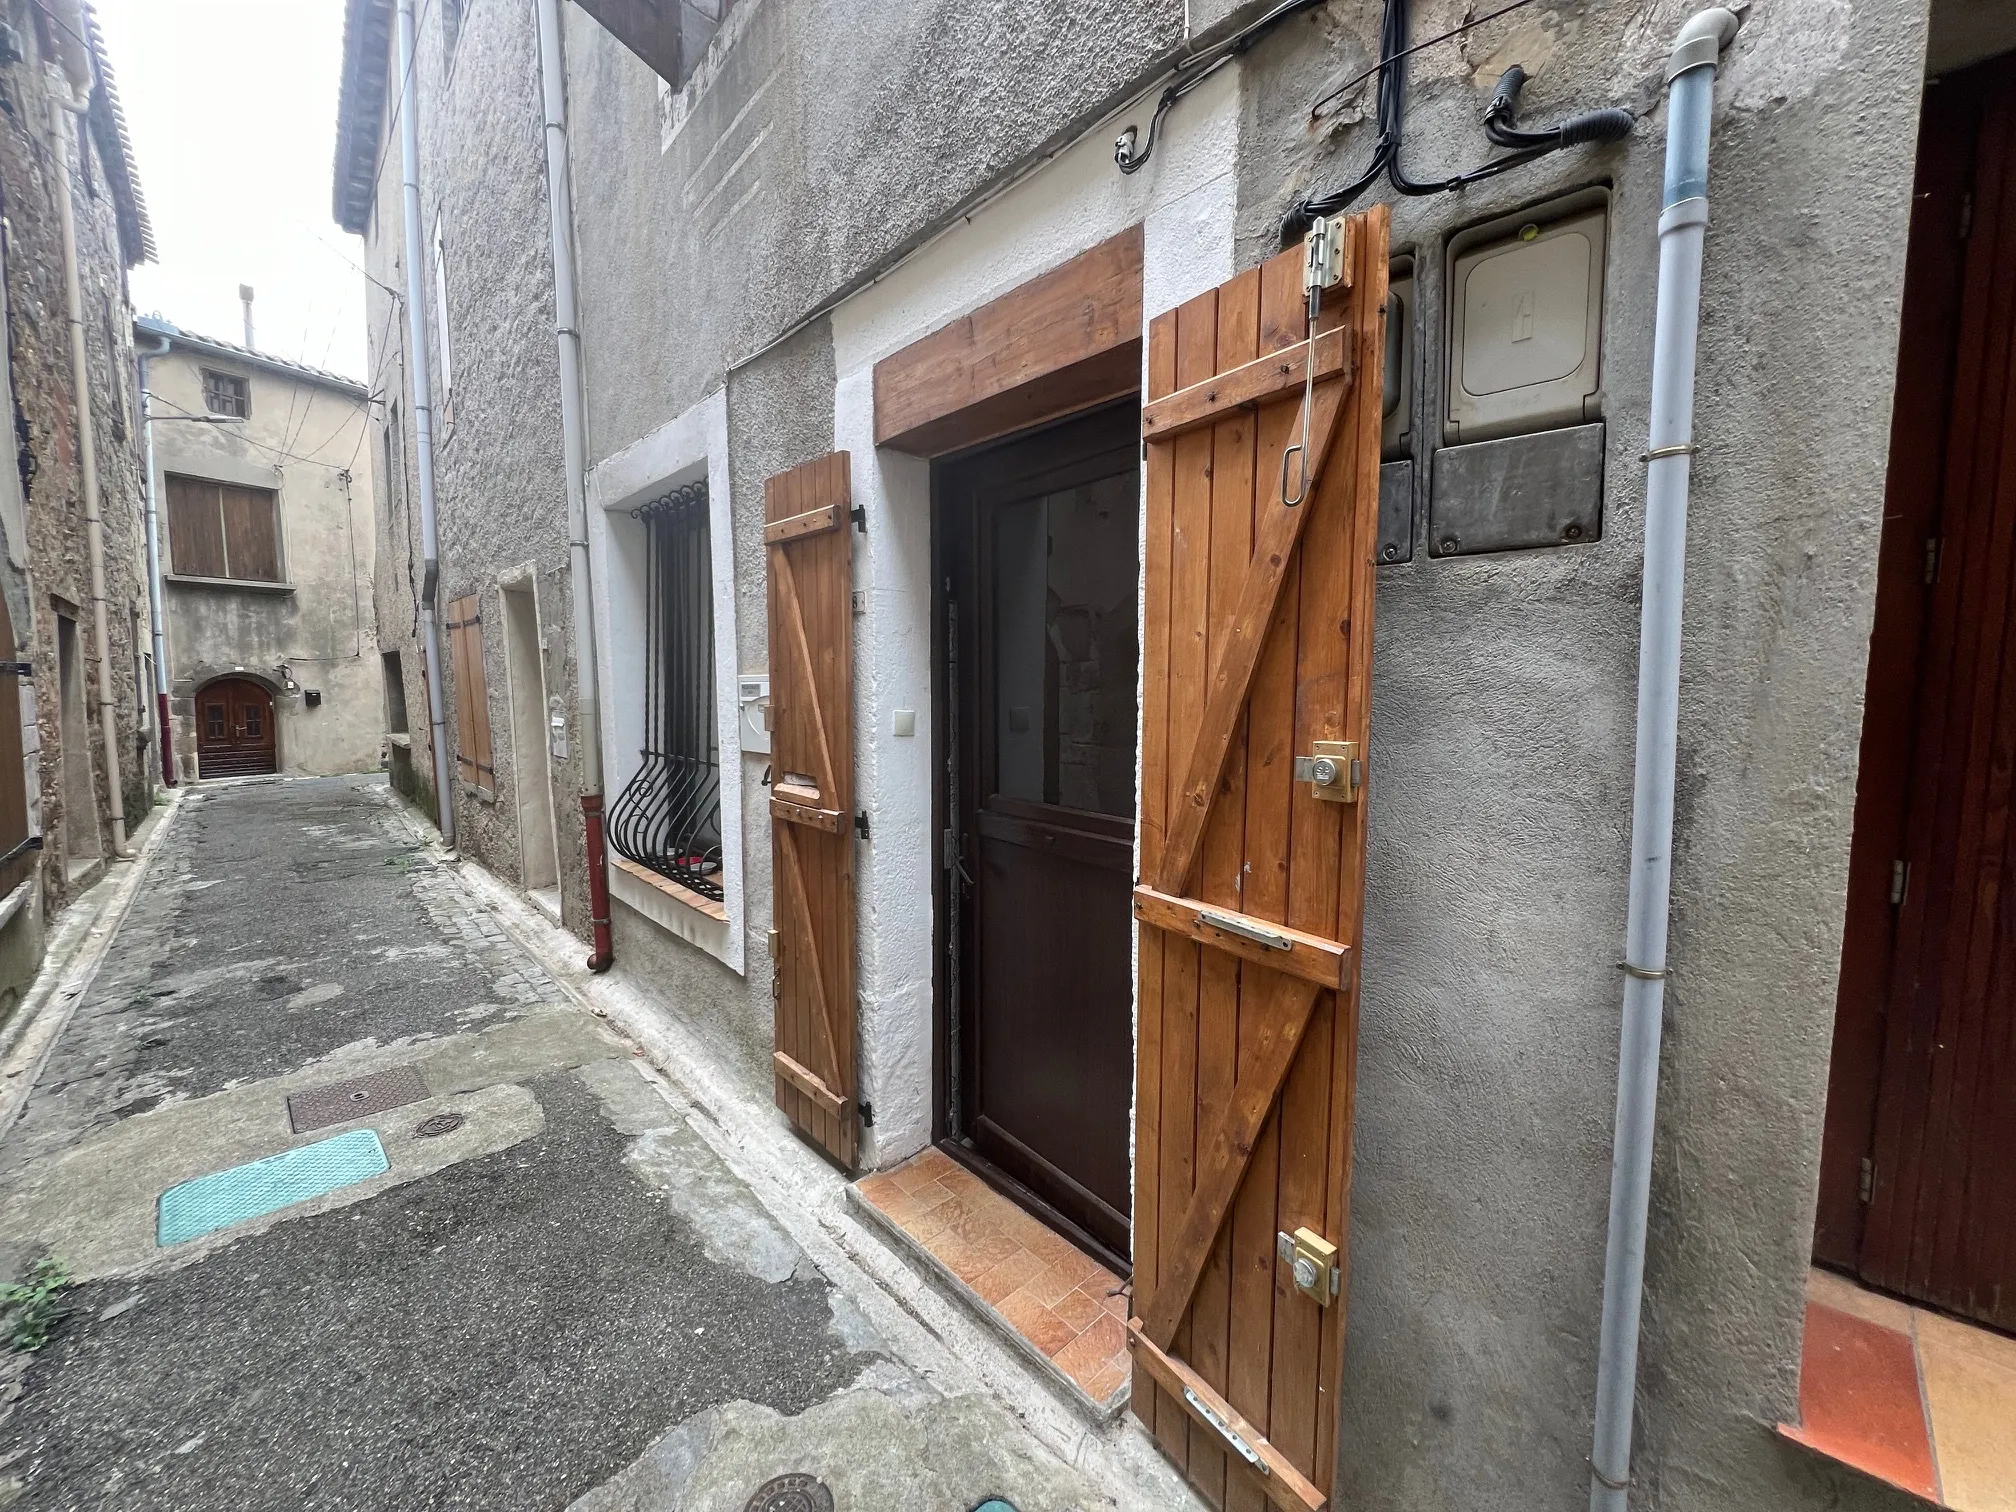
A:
{"points": [[668, 816], [226, 394]]}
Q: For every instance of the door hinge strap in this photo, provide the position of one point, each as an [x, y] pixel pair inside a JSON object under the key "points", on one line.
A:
{"points": [[1240, 1447], [861, 824]]}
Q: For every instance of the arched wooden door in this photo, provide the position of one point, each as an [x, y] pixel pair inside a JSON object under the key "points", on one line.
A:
{"points": [[234, 729]]}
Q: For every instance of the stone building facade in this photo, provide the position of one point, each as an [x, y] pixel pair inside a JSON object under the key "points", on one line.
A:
{"points": [[281, 448], [798, 192], [45, 574]]}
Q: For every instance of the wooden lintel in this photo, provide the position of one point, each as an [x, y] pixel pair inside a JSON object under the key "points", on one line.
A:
{"points": [[1285, 1486], [1294, 951], [805, 1081], [811, 522], [826, 819], [1274, 376]]}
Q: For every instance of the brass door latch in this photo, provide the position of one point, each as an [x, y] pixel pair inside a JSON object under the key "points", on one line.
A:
{"points": [[1335, 770], [1312, 1263]]}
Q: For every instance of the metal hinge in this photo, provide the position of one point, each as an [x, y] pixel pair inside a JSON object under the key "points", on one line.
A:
{"points": [[1900, 882], [859, 515], [861, 824], [867, 1111], [1868, 1178], [19, 669], [1931, 560]]}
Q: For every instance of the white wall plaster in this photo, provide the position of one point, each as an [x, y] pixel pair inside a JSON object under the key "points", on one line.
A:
{"points": [[683, 450], [1186, 200]]}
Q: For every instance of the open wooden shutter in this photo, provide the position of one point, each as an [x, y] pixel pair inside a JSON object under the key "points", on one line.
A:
{"points": [[809, 549], [473, 762], [1258, 646]]}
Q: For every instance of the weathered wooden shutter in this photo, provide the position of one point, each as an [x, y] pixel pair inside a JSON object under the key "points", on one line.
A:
{"points": [[251, 533], [195, 528], [809, 549], [1258, 651], [472, 695]]}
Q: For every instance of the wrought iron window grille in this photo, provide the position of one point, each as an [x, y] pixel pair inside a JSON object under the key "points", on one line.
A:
{"points": [[668, 816]]}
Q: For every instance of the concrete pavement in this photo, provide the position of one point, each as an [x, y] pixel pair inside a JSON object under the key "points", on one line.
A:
{"points": [[572, 1297]]}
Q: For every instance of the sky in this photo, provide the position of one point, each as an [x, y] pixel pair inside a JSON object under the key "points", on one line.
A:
{"points": [[231, 105]]}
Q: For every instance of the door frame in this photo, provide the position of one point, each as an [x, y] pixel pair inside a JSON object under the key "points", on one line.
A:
{"points": [[951, 923], [210, 680], [531, 755]]}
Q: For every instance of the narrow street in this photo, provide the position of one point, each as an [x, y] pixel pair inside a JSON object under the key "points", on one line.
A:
{"points": [[553, 1291]]}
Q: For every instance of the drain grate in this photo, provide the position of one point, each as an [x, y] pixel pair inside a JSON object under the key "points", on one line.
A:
{"points": [[791, 1493], [359, 1097], [434, 1125], [226, 1197]]}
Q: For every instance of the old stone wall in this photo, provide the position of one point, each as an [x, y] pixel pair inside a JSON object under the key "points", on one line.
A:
{"points": [[58, 579]]}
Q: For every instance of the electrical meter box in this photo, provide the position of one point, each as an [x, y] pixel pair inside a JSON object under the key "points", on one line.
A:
{"points": [[1396, 439], [1525, 325], [752, 698]]}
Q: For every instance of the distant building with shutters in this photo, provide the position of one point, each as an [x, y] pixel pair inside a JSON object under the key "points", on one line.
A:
{"points": [[263, 480]]}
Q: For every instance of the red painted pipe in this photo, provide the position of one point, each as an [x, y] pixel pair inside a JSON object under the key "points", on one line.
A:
{"points": [[598, 884], [167, 743]]}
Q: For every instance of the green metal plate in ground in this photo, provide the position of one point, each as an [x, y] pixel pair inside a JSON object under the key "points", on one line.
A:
{"points": [[222, 1198]]}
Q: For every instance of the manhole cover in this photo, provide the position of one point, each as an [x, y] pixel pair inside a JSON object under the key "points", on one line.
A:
{"points": [[791, 1493], [436, 1124], [359, 1097]]}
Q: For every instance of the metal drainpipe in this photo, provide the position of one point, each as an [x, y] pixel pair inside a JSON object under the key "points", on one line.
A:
{"points": [[1690, 77], [67, 108], [566, 323], [154, 565], [420, 370]]}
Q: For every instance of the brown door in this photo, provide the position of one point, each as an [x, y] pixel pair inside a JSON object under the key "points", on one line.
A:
{"points": [[1256, 656], [234, 729], [809, 555], [1039, 546], [1921, 1131]]}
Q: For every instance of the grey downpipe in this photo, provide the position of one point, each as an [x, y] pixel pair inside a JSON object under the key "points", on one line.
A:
{"points": [[1690, 78], [152, 496], [421, 370], [87, 463], [574, 448]]}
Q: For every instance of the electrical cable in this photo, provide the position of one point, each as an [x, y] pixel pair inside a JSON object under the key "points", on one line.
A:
{"points": [[1499, 123]]}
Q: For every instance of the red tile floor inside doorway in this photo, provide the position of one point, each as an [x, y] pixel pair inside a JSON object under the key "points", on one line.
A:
{"points": [[1909, 1396], [1063, 1304]]}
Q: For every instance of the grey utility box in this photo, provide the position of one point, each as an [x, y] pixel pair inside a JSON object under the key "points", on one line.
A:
{"points": [[1517, 492], [1525, 326], [1396, 513], [1396, 439]]}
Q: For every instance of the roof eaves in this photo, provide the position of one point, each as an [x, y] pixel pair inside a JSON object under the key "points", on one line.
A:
{"points": [[360, 110], [115, 147], [212, 346]]}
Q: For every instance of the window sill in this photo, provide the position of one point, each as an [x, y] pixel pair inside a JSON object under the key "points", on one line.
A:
{"points": [[1909, 1397], [243, 585], [683, 896], [401, 739], [470, 790]]}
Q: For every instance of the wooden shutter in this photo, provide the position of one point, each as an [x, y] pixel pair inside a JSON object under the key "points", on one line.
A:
{"points": [[251, 533], [195, 528], [1258, 645], [472, 694], [809, 549]]}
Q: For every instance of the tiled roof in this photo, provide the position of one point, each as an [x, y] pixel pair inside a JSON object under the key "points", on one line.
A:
{"points": [[108, 128], [154, 325]]}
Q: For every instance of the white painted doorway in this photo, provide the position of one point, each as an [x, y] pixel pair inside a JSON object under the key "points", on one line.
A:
{"points": [[531, 762]]}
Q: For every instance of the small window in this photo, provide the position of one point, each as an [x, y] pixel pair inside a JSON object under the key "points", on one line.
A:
{"points": [[395, 694], [226, 394], [668, 816], [220, 530]]}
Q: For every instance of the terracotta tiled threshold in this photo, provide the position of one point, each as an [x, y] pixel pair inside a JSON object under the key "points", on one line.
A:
{"points": [[1908, 1396], [1061, 1306]]}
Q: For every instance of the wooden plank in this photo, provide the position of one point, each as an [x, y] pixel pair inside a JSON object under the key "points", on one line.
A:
{"points": [[1038, 345], [811, 522], [1286, 1486], [1280, 531], [1299, 953], [829, 820], [195, 528], [811, 708], [251, 533], [810, 1084], [1224, 1146], [1245, 387]]}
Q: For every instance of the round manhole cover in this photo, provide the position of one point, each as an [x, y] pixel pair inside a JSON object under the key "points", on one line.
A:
{"points": [[436, 1124], [791, 1493]]}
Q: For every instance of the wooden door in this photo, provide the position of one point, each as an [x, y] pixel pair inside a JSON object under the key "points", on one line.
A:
{"points": [[1039, 542], [1258, 646], [809, 552], [234, 729], [1941, 1204]]}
